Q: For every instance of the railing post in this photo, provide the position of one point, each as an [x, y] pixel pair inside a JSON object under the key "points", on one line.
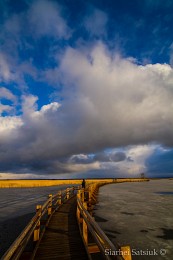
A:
{"points": [[89, 201], [37, 229], [78, 210], [85, 229], [67, 194], [89, 194], [50, 205], [82, 195], [59, 201]]}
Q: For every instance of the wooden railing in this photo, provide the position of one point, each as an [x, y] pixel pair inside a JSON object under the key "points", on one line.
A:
{"points": [[91, 231], [36, 227]]}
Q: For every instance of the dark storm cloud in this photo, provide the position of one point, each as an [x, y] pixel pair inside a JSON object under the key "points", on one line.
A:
{"points": [[110, 157], [99, 111], [100, 156]]}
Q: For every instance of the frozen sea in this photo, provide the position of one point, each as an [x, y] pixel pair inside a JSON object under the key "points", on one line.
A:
{"points": [[140, 215]]}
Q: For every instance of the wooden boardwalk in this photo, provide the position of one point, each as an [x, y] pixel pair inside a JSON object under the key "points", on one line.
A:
{"points": [[62, 239], [63, 228]]}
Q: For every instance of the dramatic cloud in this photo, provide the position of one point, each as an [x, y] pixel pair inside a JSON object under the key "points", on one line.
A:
{"points": [[110, 157], [74, 95], [138, 155], [81, 158], [120, 102], [101, 157], [108, 101]]}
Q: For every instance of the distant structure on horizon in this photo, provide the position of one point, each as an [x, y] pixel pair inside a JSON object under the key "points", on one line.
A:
{"points": [[142, 175]]}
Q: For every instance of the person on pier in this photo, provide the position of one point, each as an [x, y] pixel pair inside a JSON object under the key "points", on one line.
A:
{"points": [[83, 184]]}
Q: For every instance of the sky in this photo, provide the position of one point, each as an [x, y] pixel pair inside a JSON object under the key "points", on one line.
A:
{"points": [[86, 88]]}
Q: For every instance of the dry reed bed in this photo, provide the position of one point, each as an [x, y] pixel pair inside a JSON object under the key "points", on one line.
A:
{"points": [[42, 183]]}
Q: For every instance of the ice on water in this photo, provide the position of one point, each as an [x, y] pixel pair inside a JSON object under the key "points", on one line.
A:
{"points": [[138, 214]]}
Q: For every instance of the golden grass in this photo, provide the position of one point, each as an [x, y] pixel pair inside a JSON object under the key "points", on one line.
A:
{"points": [[41, 183], [35, 183]]}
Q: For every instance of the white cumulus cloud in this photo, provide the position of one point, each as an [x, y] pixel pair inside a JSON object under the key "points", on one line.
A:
{"points": [[108, 101]]}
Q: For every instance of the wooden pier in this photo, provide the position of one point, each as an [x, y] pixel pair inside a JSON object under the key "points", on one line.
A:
{"points": [[62, 238], [63, 228]]}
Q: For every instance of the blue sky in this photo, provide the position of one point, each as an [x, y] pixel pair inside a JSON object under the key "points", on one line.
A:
{"points": [[86, 88]]}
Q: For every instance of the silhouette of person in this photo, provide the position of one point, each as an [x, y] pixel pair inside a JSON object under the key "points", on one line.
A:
{"points": [[83, 183]]}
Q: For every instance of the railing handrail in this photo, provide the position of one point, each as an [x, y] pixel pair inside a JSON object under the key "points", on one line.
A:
{"points": [[29, 229], [95, 225], [91, 231], [99, 236]]}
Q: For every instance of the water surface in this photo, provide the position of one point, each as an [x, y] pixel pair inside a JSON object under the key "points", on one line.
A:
{"points": [[19, 201], [17, 207], [140, 215]]}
